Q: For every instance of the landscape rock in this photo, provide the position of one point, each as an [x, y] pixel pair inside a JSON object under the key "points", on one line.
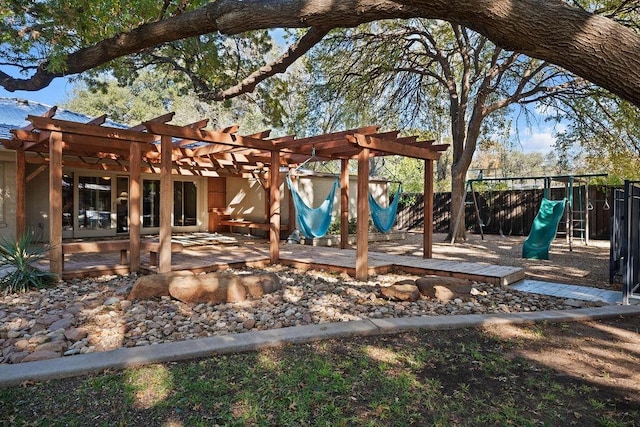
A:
{"points": [[155, 285], [259, 284], [111, 301], [16, 357], [41, 355], [302, 298], [214, 288], [63, 323], [57, 346], [401, 292], [75, 334], [443, 289]]}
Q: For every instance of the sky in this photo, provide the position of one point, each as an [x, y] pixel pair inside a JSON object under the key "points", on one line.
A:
{"points": [[52, 95], [538, 138]]}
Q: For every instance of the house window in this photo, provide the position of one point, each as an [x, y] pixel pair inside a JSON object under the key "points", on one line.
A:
{"points": [[94, 195], [67, 201], [184, 203], [151, 203]]}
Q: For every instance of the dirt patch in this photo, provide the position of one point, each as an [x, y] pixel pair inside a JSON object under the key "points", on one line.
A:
{"points": [[604, 353]]}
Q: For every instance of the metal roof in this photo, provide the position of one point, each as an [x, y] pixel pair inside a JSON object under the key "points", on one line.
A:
{"points": [[14, 112]]}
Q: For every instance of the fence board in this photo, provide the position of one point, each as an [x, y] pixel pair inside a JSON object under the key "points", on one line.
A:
{"points": [[506, 212]]}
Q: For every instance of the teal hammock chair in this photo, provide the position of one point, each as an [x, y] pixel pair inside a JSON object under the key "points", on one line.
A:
{"points": [[313, 222], [384, 218]]}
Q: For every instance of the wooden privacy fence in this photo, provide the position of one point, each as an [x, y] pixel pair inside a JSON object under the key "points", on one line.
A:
{"points": [[507, 212]]}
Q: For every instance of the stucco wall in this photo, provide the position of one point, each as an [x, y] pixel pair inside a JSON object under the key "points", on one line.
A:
{"points": [[246, 200], [8, 194]]}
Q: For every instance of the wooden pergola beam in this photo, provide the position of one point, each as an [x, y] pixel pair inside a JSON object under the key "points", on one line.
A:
{"points": [[165, 118], [97, 120], [390, 147], [329, 137], [55, 203], [66, 126], [215, 137], [362, 226]]}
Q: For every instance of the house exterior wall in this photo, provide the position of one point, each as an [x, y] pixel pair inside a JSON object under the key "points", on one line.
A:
{"points": [[246, 200], [37, 201], [7, 194]]}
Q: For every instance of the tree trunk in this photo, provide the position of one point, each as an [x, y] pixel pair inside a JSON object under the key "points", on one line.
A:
{"points": [[593, 47], [457, 223]]}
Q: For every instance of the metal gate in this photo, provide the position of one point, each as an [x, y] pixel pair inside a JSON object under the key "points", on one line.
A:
{"points": [[630, 257], [617, 235]]}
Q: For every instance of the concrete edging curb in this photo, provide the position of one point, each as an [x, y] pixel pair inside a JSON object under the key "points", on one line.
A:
{"points": [[236, 343]]}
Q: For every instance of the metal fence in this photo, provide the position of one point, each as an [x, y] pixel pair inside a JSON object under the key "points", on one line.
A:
{"points": [[625, 239]]}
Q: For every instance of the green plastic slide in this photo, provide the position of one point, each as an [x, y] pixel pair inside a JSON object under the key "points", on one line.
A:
{"points": [[544, 229]]}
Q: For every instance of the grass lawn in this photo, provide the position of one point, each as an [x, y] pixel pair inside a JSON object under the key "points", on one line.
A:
{"points": [[504, 376]]}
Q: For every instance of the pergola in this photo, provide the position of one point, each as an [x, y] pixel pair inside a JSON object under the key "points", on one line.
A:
{"points": [[157, 147]]}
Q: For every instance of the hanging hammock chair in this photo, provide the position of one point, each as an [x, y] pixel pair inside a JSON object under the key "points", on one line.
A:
{"points": [[313, 222], [384, 218]]}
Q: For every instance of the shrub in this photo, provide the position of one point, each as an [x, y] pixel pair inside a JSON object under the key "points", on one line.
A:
{"points": [[334, 228], [18, 258]]}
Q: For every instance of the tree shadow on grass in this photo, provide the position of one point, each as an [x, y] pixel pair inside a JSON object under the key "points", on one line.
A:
{"points": [[504, 375]]}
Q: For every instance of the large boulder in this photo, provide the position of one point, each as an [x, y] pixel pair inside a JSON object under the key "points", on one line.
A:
{"points": [[155, 285], [215, 288], [443, 288]]}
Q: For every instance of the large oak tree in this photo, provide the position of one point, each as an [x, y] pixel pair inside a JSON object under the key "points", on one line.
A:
{"points": [[414, 71], [594, 47]]}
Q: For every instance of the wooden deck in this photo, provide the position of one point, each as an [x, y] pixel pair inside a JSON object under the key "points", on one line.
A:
{"points": [[221, 254], [343, 260]]}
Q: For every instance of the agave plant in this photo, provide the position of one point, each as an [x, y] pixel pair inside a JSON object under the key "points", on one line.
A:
{"points": [[18, 272]]}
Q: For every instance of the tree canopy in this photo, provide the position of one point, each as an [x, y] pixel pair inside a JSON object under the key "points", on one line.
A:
{"points": [[54, 38]]}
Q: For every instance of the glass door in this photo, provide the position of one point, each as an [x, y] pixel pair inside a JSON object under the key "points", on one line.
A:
{"points": [[94, 207], [122, 204]]}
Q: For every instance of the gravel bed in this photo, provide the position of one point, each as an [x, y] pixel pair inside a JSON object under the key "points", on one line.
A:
{"points": [[89, 315]]}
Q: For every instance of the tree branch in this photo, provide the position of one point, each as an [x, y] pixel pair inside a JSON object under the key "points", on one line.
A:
{"points": [[280, 65], [593, 47]]}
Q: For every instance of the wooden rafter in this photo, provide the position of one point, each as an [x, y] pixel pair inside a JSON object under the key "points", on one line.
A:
{"points": [[165, 118], [329, 137]]}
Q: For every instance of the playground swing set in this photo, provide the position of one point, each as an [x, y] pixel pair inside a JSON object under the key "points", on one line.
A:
{"points": [[572, 209]]}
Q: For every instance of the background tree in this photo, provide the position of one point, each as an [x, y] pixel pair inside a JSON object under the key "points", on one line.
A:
{"points": [[146, 97], [601, 134]]}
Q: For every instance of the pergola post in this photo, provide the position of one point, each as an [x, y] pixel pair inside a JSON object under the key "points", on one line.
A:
{"points": [[55, 203], [362, 237], [274, 208], [166, 204], [344, 203], [427, 231], [21, 190], [134, 206]]}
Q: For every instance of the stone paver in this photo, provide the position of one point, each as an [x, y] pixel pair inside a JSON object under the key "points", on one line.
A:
{"points": [[584, 293]]}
